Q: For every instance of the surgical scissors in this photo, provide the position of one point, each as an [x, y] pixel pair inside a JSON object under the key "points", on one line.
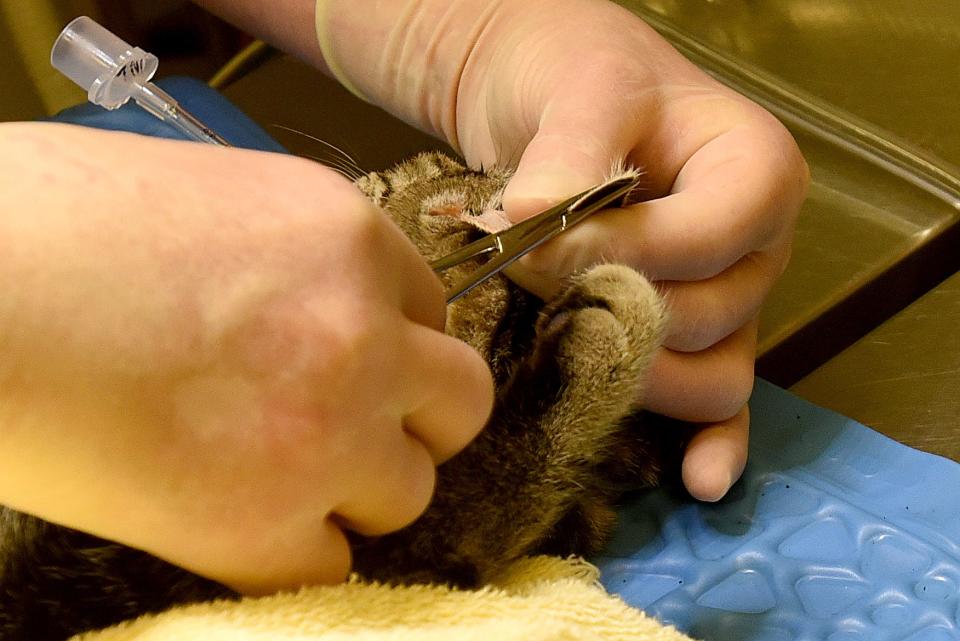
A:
{"points": [[522, 238]]}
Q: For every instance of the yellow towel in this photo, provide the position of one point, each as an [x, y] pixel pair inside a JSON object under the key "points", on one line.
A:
{"points": [[539, 599]]}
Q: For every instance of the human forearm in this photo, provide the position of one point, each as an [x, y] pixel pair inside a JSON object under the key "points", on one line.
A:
{"points": [[72, 430], [408, 56], [405, 56], [287, 24]]}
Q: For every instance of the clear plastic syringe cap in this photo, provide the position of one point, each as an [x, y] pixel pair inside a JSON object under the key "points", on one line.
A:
{"points": [[107, 67]]}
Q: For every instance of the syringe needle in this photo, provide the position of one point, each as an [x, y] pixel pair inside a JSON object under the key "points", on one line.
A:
{"points": [[166, 108]]}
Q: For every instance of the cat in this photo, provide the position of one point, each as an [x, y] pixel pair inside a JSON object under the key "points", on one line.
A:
{"points": [[566, 437]]}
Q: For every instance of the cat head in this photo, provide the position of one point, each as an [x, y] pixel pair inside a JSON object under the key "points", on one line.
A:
{"points": [[441, 205], [433, 197]]}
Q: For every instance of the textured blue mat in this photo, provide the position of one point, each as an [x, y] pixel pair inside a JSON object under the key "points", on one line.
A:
{"points": [[835, 533]]}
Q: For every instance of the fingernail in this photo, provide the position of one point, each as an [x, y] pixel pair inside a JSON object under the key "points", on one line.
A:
{"points": [[710, 483]]}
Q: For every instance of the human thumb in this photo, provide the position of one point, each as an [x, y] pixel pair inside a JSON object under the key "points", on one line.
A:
{"points": [[569, 153], [545, 176], [564, 158]]}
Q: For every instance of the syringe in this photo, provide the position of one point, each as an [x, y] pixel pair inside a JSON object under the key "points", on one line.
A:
{"points": [[113, 72]]}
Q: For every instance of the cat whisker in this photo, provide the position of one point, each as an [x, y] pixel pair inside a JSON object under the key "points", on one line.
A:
{"points": [[347, 157], [347, 164], [335, 162], [345, 172], [343, 164], [349, 171]]}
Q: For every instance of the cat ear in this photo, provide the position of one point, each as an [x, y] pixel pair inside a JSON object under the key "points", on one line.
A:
{"points": [[491, 221]]}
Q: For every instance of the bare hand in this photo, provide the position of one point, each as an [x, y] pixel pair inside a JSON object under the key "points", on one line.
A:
{"points": [[221, 357]]}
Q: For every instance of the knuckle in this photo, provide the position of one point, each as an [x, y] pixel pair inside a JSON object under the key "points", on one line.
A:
{"points": [[333, 199], [542, 270], [542, 263], [308, 336], [795, 169], [412, 492], [708, 254], [341, 344], [434, 297], [693, 337], [780, 258], [725, 388], [362, 227], [336, 555], [792, 165]]}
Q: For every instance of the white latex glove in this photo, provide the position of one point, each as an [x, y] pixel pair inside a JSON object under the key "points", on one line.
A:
{"points": [[563, 89]]}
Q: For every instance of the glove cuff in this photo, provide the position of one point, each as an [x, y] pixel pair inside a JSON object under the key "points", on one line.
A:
{"points": [[322, 23]]}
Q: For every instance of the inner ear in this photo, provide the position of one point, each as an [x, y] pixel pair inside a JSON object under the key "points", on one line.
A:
{"points": [[452, 210], [451, 203]]}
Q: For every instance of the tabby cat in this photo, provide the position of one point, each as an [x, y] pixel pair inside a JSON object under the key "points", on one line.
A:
{"points": [[564, 441]]}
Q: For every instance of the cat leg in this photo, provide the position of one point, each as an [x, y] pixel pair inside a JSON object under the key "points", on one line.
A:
{"points": [[606, 326], [536, 464], [594, 345]]}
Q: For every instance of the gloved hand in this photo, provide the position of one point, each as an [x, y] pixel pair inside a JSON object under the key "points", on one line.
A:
{"points": [[564, 89]]}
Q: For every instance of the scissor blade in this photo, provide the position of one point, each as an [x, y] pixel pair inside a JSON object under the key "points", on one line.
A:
{"points": [[601, 197], [479, 247], [524, 237], [495, 242], [493, 266]]}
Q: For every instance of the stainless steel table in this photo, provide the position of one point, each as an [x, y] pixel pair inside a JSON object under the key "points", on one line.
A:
{"points": [[846, 77], [903, 378]]}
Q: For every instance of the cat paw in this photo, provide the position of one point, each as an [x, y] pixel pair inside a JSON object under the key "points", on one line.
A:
{"points": [[606, 324]]}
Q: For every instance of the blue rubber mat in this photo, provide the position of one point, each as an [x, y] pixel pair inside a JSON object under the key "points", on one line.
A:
{"points": [[835, 533]]}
